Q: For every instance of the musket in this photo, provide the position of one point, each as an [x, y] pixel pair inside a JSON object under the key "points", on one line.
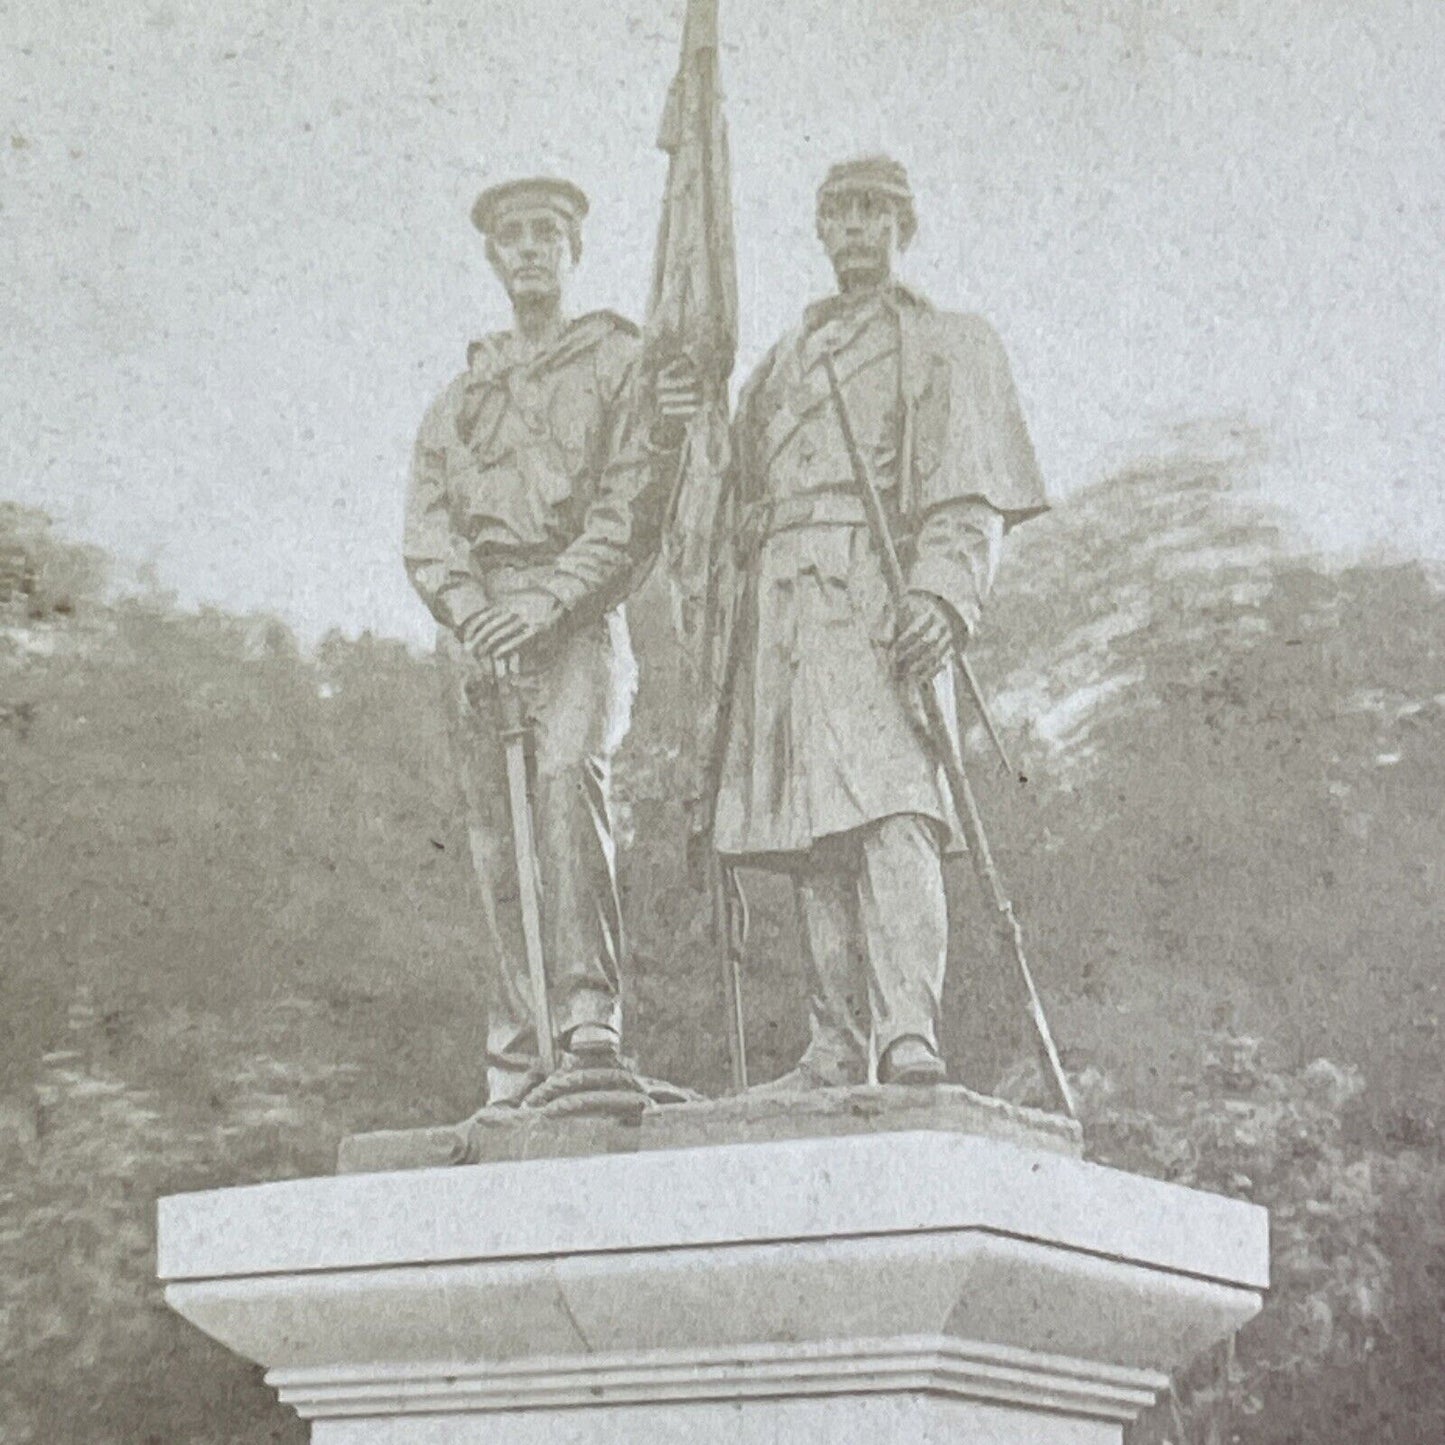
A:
{"points": [[529, 884], [944, 746]]}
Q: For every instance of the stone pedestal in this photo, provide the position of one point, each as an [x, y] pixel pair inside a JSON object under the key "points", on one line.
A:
{"points": [[917, 1285]]}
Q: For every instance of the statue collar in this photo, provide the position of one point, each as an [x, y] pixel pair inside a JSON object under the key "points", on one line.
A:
{"points": [[895, 296], [490, 358]]}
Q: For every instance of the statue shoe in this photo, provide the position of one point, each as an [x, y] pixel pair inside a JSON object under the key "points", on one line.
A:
{"points": [[591, 1079], [810, 1075], [595, 1044], [911, 1060]]}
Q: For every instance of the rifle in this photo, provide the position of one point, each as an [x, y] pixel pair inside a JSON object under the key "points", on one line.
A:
{"points": [[943, 744]]}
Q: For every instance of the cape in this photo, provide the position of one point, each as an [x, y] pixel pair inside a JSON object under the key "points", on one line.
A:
{"points": [[969, 438]]}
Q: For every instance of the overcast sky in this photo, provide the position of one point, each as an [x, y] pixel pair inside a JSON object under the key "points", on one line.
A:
{"points": [[235, 261]]}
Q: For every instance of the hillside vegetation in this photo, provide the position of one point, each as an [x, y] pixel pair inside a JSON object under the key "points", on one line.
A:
{"points": [[236, 913]]}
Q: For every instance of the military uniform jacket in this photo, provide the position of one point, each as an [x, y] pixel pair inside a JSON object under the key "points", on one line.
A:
{"points": [[538, 463], [815, 734]]}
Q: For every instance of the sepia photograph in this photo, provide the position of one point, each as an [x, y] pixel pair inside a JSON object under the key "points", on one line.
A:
{"points": [[722, 722]]}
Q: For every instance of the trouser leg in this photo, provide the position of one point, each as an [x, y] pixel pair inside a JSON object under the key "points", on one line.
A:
{"points": [[903, 919], [582, 914], [824, 885], [579, 715]]}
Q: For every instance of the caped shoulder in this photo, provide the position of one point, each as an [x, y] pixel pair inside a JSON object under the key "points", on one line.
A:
{"points": [[961, 330]]}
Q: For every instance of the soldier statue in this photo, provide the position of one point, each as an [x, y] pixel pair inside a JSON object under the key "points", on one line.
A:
{"points": [[535, 507], [822, 766]]}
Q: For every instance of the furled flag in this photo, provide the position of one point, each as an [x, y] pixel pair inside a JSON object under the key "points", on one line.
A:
{"points": [[692, 316]]}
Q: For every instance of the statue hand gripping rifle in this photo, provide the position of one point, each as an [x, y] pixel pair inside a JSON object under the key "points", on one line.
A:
{"points": [[878, 458], [535, 507]]}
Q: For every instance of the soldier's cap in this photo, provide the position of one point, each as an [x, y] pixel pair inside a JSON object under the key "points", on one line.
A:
{"points": [[881, 174], [569, 201]]}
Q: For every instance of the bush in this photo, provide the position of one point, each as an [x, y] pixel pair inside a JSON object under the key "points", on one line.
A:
{"points": [[1348, 1346]]}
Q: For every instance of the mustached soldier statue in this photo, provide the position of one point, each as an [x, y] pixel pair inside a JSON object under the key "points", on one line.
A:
{"points": [[535, 507], [821, 764]]}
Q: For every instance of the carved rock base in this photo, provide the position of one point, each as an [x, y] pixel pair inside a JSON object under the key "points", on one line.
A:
{"points": [[506, 1134], [921, 1285]]}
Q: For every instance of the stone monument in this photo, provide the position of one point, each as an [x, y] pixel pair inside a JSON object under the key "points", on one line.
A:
{"points": [[859, 1251]]}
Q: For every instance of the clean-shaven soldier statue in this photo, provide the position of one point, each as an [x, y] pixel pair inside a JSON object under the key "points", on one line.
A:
{"points": [[821, 765], [535, 507]]}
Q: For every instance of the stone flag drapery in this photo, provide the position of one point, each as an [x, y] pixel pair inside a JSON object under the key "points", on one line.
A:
{"points": [[692, 316]]}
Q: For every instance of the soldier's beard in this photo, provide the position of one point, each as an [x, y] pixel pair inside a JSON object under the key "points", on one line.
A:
{"points": [[860, 267]]}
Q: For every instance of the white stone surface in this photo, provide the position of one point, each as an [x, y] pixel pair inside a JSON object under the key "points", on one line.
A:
{"points": [[881, 1287], [839, 1420], [796, 1189]]}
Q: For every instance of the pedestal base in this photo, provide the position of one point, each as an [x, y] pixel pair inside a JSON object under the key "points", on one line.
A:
{"points": [[911, 1286], [838, 1420]]}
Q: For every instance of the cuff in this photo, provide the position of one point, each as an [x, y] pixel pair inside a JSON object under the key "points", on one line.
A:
{"points": [[567, 589], [457, 605], [950, 587]]}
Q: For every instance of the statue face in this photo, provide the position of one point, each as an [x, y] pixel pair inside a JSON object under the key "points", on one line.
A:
{"points": [[530, 251], [859, 231]]}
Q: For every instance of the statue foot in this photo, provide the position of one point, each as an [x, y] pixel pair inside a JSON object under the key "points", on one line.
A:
{"points": [[911, 1060]]}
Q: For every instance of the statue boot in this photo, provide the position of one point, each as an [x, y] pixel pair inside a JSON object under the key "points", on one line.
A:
{"points": [[911, 1060]]}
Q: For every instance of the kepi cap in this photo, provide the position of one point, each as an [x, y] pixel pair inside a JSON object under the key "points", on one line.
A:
{"points": [[875, 173]]}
